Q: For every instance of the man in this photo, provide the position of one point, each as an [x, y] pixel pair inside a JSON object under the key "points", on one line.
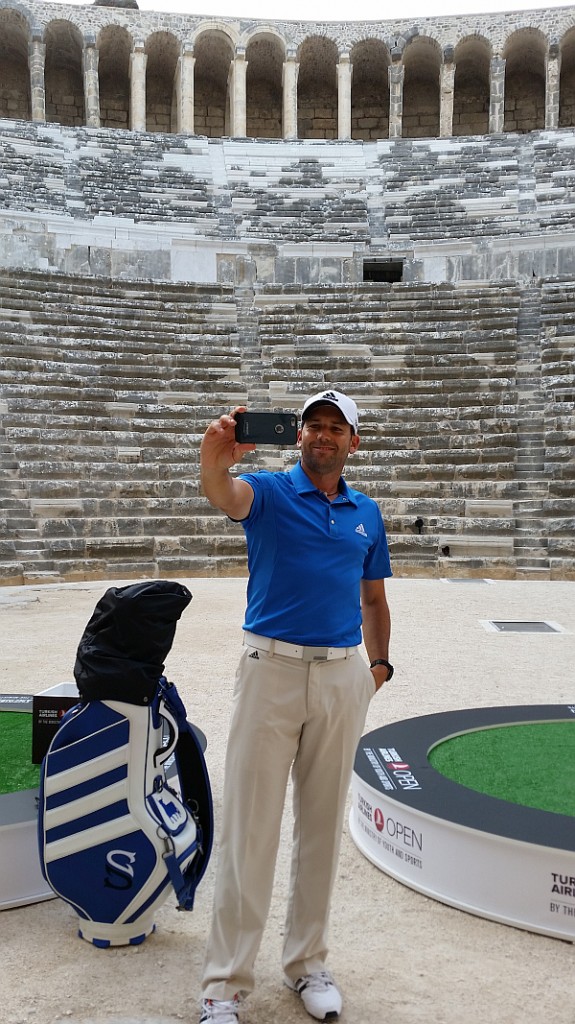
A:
{"points": [[317, 558]]}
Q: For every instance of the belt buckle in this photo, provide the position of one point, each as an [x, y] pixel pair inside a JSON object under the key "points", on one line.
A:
{"points": [[315, 653]]}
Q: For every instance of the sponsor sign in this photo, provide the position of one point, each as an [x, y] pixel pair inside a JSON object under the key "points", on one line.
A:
{"points": [[562, 895], [390, 769], [48, 709]]}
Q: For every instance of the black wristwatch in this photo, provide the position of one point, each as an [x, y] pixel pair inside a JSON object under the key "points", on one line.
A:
{"points": [[389, 667]]}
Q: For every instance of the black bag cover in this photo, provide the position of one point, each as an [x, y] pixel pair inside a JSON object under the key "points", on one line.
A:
{"points": [[123, 649]]}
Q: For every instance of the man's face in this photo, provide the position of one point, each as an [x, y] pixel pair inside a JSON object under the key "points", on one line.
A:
{"points": [[326, 439]]}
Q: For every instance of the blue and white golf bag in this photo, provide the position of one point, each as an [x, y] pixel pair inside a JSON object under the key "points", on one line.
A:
{"points": [[125, 801]]}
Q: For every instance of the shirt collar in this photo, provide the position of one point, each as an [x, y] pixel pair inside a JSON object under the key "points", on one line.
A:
{"points": [[303, 484]]}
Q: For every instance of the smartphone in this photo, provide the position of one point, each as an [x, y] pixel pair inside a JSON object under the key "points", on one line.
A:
{"points": [[278, 428]]}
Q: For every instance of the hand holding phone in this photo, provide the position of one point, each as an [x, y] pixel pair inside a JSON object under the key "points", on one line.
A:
{"points": [[279, 428]]}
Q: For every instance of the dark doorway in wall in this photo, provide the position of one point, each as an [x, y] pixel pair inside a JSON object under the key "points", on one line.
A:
{"points": [[383, 270]]}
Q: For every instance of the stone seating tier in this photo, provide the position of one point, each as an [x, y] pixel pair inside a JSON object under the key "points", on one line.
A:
{"points": [[154, 178], [156, 330], [406, 191], [168, 424], [61, 386], [77, 288], [413, 374], [69, 541]]}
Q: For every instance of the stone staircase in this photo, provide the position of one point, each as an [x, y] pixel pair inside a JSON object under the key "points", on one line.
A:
{"points": [[18, 530], [558, 388], [432, 369], [554, 170], [105, 391], [297, 193], [153, 206], [466, 394], [97, 172], [530, 541], [449, 188]]}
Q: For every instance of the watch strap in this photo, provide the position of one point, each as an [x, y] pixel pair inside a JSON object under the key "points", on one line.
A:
{"points": [[382, 661]]}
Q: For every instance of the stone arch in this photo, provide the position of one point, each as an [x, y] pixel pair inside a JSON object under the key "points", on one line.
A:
{"points": [[115, 46], [63, 77], [214, 53], [222, 28], [421, 88], [317, 88], [471, 94], [256, 31], [525, 54], [163, 51], [399, 42], [370, 60], [567, 81], [15, 100], [265, 54]]}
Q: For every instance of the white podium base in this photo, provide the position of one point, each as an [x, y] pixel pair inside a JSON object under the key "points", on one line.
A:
{"points": [[21, 880], [503, 861]]}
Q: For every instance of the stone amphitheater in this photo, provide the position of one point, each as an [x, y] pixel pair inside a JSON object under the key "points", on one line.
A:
{"points": [[199, 212]]}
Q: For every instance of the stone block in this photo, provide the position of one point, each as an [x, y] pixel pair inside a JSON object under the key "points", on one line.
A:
{"points": [[65, 547], [11, 573], [126, 548], [285, 270]]}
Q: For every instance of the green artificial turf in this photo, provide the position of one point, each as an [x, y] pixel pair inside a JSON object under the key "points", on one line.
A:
{"points": [[532, 764], [16, 769]]}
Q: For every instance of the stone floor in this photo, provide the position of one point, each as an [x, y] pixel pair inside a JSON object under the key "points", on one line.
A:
{"points": [[398, 955]]}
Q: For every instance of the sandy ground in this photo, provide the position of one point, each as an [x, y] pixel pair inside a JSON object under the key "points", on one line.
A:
{"points": [[399, 957]]}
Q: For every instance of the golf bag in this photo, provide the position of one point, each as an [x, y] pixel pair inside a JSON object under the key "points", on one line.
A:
{"points": [[125, 801]]}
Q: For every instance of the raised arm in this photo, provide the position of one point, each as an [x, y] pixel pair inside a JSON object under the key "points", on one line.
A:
{"points": [[220, 451]]}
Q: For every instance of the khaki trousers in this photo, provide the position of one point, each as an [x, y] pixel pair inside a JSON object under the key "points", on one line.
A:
{"points": [[307, 716]]}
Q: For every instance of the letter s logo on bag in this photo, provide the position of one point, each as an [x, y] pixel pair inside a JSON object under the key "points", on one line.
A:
{"points": [[120, 867]]}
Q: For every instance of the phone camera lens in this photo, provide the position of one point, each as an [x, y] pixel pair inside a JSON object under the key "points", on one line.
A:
{"points": [[279, 429]]}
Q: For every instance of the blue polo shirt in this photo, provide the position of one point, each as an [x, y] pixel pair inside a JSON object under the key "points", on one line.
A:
{"points": [[306, 558]]}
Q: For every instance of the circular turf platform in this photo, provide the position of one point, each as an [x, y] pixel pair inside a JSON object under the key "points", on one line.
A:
{"points": [[490, 856]]}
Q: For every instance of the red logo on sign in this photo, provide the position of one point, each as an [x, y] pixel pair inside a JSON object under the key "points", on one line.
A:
{"points": [[378, 819]]}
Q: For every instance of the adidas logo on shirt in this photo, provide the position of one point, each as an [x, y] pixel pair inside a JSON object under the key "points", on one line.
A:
{"points": [[255, 655], [361, 529]]}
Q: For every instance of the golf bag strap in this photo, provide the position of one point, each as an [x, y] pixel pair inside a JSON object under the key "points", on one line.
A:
{"points": [[184, 884], [196, 794]]}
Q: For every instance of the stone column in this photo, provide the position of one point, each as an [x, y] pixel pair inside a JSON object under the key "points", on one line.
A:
{"points": [[239, 72], [496, 95], [138, 62], [186, 90], [289, 84], [37, 60], [396, 73], [90, 58], [344, 73], [552, 86], [446, 86]]}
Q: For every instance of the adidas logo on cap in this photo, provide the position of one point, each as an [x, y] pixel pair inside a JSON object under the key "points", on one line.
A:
{"points": [[346, 406]]}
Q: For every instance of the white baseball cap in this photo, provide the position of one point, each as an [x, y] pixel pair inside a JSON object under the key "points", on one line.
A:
{"points": [[346, 406]]}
